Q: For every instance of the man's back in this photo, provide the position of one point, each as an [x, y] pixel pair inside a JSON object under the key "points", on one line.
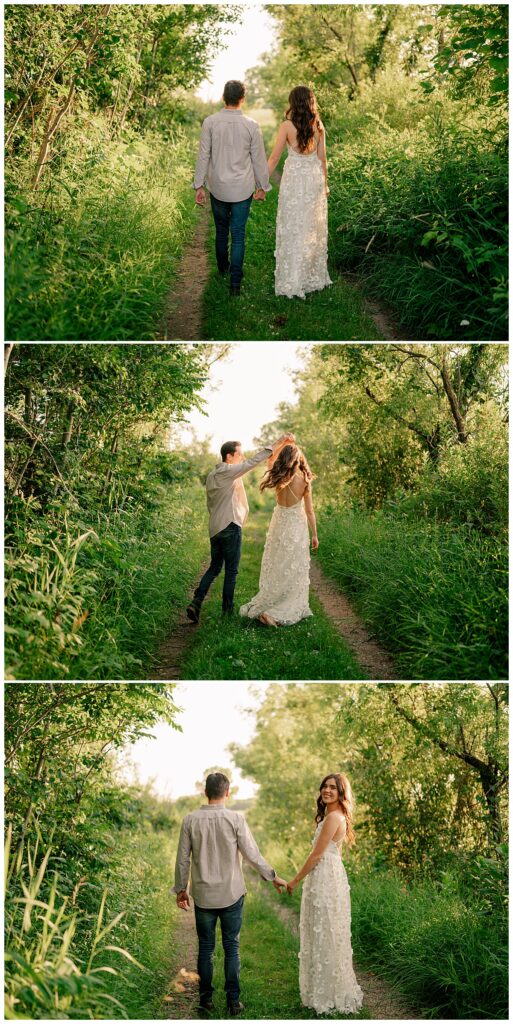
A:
{"points": [[214, 838], [232, 154]]}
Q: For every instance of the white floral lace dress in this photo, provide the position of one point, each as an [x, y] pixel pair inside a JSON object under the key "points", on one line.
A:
{"points": [[327, 980], [285, 570], [301, 227]]}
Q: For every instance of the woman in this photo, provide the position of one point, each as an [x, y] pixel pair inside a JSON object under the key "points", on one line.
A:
{"points": [[285, 572], [302, 221], [326, 978]]}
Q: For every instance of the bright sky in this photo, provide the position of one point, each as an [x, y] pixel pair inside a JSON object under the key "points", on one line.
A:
{"points": [[245, 391], [246, 42], [214, 715]]}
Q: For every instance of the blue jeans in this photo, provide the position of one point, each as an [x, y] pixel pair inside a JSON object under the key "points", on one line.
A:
{"points": [[231, 924], [225, 549], [230, 218]]}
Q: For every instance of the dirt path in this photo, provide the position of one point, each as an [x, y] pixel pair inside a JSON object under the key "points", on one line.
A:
{"points": [[371, 656], [182, 318], [380, 999], [181, 998], [173, 649]]}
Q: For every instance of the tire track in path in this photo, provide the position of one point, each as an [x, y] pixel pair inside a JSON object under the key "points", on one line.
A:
{"points": [[370, 654], [183, 313]]}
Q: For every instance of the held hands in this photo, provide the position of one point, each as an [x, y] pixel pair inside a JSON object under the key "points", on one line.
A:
{"points": [[291, 886], [183, 901], [279, 884], [200, 197], [259, 195]]}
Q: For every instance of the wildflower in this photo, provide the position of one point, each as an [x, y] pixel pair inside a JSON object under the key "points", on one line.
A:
{"points": [[464, 323]]}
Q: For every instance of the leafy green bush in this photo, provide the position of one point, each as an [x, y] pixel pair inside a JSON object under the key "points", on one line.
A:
{"points": [[91, 254], [418, 208], [435, 593]]}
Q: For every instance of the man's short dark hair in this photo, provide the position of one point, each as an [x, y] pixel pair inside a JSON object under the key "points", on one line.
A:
{"points": [[216, 785], [229, 448], [234, 92]]}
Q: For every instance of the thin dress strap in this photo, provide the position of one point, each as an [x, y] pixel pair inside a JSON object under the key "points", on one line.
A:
{"points": [[299, 500]]}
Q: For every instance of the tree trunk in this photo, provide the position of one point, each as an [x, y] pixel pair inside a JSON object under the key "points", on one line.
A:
{"points": [[8, 350], [456, 411], [52, 125]]}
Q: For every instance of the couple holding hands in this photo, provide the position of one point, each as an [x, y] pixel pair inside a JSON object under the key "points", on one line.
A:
{"points": [[213, 841]]}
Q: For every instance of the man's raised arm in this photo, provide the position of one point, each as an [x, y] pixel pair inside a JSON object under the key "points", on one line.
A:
{"points": [[235, 469]]}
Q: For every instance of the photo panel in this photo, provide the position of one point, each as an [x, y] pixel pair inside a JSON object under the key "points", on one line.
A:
{"points": [[256, 172], [189, 511], [360, 825]]}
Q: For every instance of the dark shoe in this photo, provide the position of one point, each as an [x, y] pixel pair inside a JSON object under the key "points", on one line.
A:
{"points": [[235, 1009], [193, 611], [206, 1003], [227, 611], [235, 289], [224, 270]]}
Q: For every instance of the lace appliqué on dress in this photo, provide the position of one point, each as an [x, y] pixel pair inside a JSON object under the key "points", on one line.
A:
{"points": [[285, 570], [327, 980], [301, 227]]}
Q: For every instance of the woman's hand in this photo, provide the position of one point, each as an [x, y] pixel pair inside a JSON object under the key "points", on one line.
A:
{"points": [[315, 543], [291, 886]]}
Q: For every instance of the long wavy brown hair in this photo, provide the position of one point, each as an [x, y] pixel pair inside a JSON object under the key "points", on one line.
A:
{"points": [[303, 113], [345, 801], [289, 460]]}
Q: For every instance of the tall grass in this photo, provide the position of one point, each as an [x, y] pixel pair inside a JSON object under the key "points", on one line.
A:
{"points": [[90, 255], [435, 593], [441, 944], [47, 974], [418, 208], [93, 604]]}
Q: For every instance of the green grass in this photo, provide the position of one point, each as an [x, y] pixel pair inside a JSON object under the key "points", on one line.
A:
{"points": [[334, 314], [236, 648], [139, 886], [92, 254], [132, 580], [435, 593], [435, 941]]}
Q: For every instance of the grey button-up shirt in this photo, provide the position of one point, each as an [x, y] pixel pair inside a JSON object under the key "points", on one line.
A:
{"points": [[226, 496], [215, 839], [231, 157]]}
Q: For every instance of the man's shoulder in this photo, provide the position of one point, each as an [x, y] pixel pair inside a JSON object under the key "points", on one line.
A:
{"points": [[250, 122]]}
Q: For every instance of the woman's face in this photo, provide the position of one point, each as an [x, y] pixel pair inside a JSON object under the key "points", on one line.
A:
{"points": [[329, 792]]}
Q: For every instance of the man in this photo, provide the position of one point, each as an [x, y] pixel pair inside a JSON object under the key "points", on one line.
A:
{"points": [[228, 510], [215, 838], [232, 160]]}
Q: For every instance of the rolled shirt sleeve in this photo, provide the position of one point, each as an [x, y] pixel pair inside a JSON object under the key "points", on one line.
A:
{"points": [[183, 859], [251, 853], [259, 161]]}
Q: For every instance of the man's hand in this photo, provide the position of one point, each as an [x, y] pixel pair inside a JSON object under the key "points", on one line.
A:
{"points": [[259, 195], [279, 883], [183, 901], [200, 197]]}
